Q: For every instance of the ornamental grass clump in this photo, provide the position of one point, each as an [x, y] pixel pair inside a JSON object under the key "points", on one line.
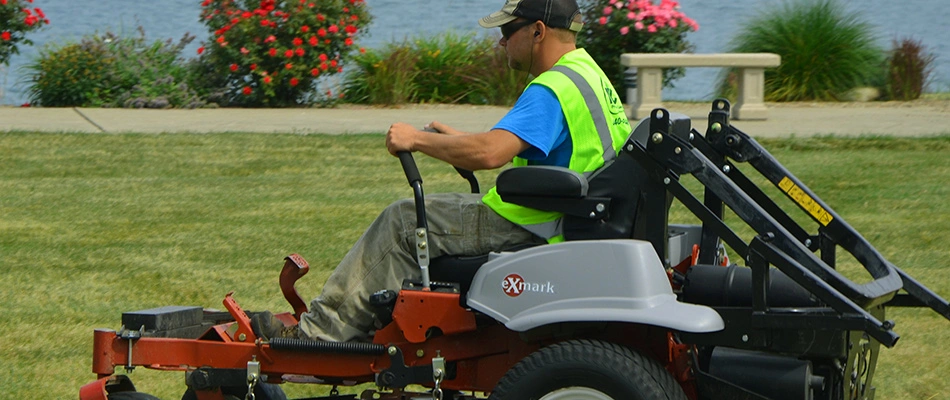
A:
{"points": [[17, 18], [614, 27], [267, 53], [909, 66], [447, 68], [826, 51], [109, 70]]}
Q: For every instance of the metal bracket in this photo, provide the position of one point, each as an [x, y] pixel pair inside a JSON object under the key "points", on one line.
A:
{"points": [[131, 336], [398, 375], [422, 255]]}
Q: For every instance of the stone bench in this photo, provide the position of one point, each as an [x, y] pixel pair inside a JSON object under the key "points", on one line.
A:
{"points": [[751, 66]]}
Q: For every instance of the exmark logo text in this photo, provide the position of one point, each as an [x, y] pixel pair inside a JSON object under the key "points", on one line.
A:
{"points": [[514, 285]]}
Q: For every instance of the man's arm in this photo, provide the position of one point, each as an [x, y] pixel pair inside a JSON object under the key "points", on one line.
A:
{"points": [[475, 151]]}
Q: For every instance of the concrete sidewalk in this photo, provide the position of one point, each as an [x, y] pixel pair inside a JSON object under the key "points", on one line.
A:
{"points": [[917, 118]]}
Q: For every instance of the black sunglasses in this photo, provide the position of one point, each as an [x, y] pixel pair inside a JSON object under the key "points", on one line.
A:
{"points": [[514, 26]]}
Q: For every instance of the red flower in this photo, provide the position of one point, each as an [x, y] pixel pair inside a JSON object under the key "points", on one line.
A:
{"points": [[298, 41], [362, 50], [313, 41], [315, 72], [333, 29], [299, 52], [350, 29], [289, 53], [348, 41], [294, 81], [305, 29], [320, 17], [5, 35], [267, 79], [333, 63], [201, 50], [272, 52], [253, 67], [247, 91], [265, 22], [270, 38], [234, 67], [323, 57], [354, 18], [245, 51], [321, 32], [288, 66], [247, 14]]}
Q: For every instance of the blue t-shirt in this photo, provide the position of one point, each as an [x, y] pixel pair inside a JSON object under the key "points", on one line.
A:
{"points": [[537, 119]]}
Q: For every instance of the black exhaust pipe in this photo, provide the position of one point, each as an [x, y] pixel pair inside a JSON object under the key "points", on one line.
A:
{"points": [[731, 286]]}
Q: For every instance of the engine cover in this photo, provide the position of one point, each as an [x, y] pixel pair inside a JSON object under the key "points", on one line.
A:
{"points": [[606, 280]]}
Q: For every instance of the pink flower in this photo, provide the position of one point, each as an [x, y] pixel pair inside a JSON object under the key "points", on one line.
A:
{"points": [[638, 26], [608, 10], [602, 20], [631, 15], [625, 30], [651, 28]]}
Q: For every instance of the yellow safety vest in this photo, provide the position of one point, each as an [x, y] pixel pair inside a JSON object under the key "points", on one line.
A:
{"points": [[597, 124]]}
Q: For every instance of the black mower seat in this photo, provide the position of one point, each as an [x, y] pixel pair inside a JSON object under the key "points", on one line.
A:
{"points": [[461, 269]]}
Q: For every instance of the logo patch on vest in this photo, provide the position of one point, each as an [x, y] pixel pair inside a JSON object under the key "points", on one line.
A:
{"points": [[514, 285]]}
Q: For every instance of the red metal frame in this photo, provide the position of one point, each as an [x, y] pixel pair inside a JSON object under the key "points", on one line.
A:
{"points": [[425, 323]]}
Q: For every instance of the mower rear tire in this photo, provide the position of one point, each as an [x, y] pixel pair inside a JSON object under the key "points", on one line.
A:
{"points": [[589, 370]]}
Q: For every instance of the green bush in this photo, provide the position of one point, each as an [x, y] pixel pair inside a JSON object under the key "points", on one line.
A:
{"points": [[614, 27], [265, 53], [113, 71], [448, 68], [909, 67], [825, 51]]}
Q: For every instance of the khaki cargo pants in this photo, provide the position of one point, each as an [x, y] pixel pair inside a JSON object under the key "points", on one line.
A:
{"points": [[459, 224]]}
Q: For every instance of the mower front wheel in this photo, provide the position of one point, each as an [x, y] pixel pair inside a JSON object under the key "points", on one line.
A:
{"points": [[131, 396], [587, 370], [263, 391]]}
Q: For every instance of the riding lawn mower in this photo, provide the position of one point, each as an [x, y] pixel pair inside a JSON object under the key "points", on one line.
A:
{"points": [[629, 306]]}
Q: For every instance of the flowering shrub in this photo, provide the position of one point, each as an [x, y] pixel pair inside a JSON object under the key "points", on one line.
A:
{"points": [[614, 27], [16, 19], [270, 53]]}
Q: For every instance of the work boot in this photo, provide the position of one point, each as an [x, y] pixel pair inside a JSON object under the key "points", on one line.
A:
{"points": [[266, 326]]}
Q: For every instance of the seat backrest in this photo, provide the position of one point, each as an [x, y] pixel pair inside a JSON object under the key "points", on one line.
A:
{"points": [[621, 181], [636, 201]]}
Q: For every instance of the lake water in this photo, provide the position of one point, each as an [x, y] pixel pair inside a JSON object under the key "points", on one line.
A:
{"points": [[398, 19]]}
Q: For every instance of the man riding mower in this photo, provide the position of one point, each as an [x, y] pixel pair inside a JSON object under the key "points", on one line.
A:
{"points": [[629, 306]]}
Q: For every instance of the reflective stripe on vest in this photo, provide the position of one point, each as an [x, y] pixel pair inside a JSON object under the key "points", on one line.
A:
{"points": [[584, 113], [596, 110]]}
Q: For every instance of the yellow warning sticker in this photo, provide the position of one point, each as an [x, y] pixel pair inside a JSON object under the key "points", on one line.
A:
{"points": [[805, 201]]}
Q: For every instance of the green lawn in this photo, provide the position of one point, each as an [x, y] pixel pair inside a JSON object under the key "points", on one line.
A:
{"points": [[94, 225]]}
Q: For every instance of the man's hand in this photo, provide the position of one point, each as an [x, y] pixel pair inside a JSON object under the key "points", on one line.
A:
{"points": [[402, 137]]}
